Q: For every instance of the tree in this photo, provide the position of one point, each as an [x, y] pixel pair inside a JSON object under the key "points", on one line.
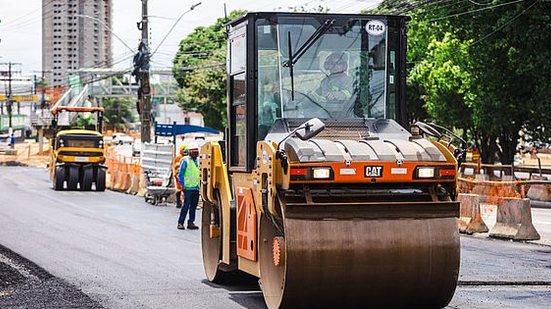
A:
{"points": [[446, 77], [489, 61], [199, 68], [206, 92], [119, 112]]}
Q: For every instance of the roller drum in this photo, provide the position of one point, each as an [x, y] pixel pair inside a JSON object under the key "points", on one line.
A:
{"points": [[344, 258]]}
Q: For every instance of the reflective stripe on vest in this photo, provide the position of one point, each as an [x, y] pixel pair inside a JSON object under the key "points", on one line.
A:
{"points": [[191, 175]]}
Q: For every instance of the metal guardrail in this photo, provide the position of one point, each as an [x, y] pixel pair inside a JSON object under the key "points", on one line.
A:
{"points": [[503, 170]]}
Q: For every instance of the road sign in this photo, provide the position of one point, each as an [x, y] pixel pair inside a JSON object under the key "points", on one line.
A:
{"points": [[21, 98]]}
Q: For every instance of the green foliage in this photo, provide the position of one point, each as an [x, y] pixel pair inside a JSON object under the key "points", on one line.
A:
{"points": [[119, 112], [486, 71], [206, 92], [305, 8], [446, 77], [199, 68], [85, 120]]}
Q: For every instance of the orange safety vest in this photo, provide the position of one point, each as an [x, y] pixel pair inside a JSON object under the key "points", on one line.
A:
{"points": [[176, 171]]}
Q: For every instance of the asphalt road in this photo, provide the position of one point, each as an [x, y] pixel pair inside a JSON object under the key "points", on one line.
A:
{"points": [[124, 253]]}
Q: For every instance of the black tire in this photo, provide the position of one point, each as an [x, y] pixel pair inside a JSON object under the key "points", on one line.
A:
{"points": [[100, 180], [72, 179], [59, 178], [87, 179]]}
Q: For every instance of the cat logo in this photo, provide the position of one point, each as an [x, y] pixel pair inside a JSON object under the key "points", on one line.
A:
{"points": [[373, 171]]}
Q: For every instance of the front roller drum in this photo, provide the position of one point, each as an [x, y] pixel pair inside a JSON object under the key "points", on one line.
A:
{"points": [[350, 261]]}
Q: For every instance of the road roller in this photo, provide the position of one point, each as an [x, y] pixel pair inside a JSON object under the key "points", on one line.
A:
{"points": [[318, 189], [77, 157]]}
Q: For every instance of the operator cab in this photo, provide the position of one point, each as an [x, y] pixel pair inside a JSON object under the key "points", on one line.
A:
{"points": [[286, 68]]}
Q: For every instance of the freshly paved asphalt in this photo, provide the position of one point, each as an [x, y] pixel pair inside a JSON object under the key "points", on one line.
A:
{"points": [[124, 253]]}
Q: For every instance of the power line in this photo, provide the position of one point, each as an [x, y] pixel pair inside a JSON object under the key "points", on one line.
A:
{"points": [[504, 24], [480, 4], [174, 25], [475, 11]]}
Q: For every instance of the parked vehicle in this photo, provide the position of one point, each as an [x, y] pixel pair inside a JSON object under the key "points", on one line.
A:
{"points": [[121, 139], [137, 147]]}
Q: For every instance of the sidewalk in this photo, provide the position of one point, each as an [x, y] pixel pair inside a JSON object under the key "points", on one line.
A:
{"points": [[27, 154]]}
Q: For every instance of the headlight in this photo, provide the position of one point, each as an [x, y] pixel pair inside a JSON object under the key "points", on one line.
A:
{"points": [[425, 172], [321, 173], [61, 143]]}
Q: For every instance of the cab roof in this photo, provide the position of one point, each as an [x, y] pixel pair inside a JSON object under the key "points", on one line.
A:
{"points": [[79, 132], [307, 14], [76, 109]]}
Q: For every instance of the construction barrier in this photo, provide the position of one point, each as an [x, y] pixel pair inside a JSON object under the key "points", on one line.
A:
{"points": [[470, 219], [124, 173], [514, 220], [539, 192]]}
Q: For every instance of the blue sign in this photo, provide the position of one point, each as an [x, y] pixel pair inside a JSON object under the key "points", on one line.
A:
{"points": [[177, 129]]}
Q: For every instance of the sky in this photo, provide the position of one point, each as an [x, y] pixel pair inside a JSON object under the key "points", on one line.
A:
{"points": [[20, 25]]}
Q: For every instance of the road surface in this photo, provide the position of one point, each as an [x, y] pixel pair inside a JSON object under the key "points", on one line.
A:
{"points": [[124, 253]]}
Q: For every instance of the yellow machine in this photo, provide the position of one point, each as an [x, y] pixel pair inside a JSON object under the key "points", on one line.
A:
{"points": [[77, 155], [318, 190]]}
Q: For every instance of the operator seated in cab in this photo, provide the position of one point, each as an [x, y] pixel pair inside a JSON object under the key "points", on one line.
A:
{"points": [[337, 86], [336, 94]]}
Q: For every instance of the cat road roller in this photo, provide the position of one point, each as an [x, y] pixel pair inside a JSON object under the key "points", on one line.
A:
{"points": [[77, 155], [318, 189]]}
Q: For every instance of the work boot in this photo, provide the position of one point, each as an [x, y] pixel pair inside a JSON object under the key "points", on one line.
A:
{"points": [[192, 226], [181, 226]]}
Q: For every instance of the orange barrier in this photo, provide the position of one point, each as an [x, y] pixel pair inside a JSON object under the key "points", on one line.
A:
{"points": [[135, 172], [124, 173], [514, 220], [470, 219], [490, 191]]}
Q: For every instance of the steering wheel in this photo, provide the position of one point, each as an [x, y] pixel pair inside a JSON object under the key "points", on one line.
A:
{"points": [[308, 99]]}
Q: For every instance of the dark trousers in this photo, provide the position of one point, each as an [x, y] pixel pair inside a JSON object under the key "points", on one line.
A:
{"points": [[179, 198], [191, 200]]}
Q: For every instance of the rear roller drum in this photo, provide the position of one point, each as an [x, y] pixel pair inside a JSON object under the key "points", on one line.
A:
{"points": [[72, 179], [59, 178], [87, 179], [100, 180], [211, 241]]}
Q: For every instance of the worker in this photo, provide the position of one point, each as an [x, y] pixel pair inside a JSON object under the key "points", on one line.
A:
{"points": [[176, 170], [337, 85], [189, 180]]}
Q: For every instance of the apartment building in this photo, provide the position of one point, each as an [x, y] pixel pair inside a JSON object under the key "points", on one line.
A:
{"points": [[75, 34]]}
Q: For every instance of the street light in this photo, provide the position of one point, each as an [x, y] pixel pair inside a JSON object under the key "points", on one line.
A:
{"points": [[106, 27]]}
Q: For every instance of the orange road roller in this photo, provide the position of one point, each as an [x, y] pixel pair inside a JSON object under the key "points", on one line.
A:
{"points": [[318, 189]]}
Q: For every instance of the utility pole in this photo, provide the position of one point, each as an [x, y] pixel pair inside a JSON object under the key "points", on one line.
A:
{"points": [[9, 96], [43, 106], [141, 71]]}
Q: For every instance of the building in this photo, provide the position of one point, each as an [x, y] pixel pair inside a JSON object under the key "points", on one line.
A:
{"points": [[75, 34]]}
